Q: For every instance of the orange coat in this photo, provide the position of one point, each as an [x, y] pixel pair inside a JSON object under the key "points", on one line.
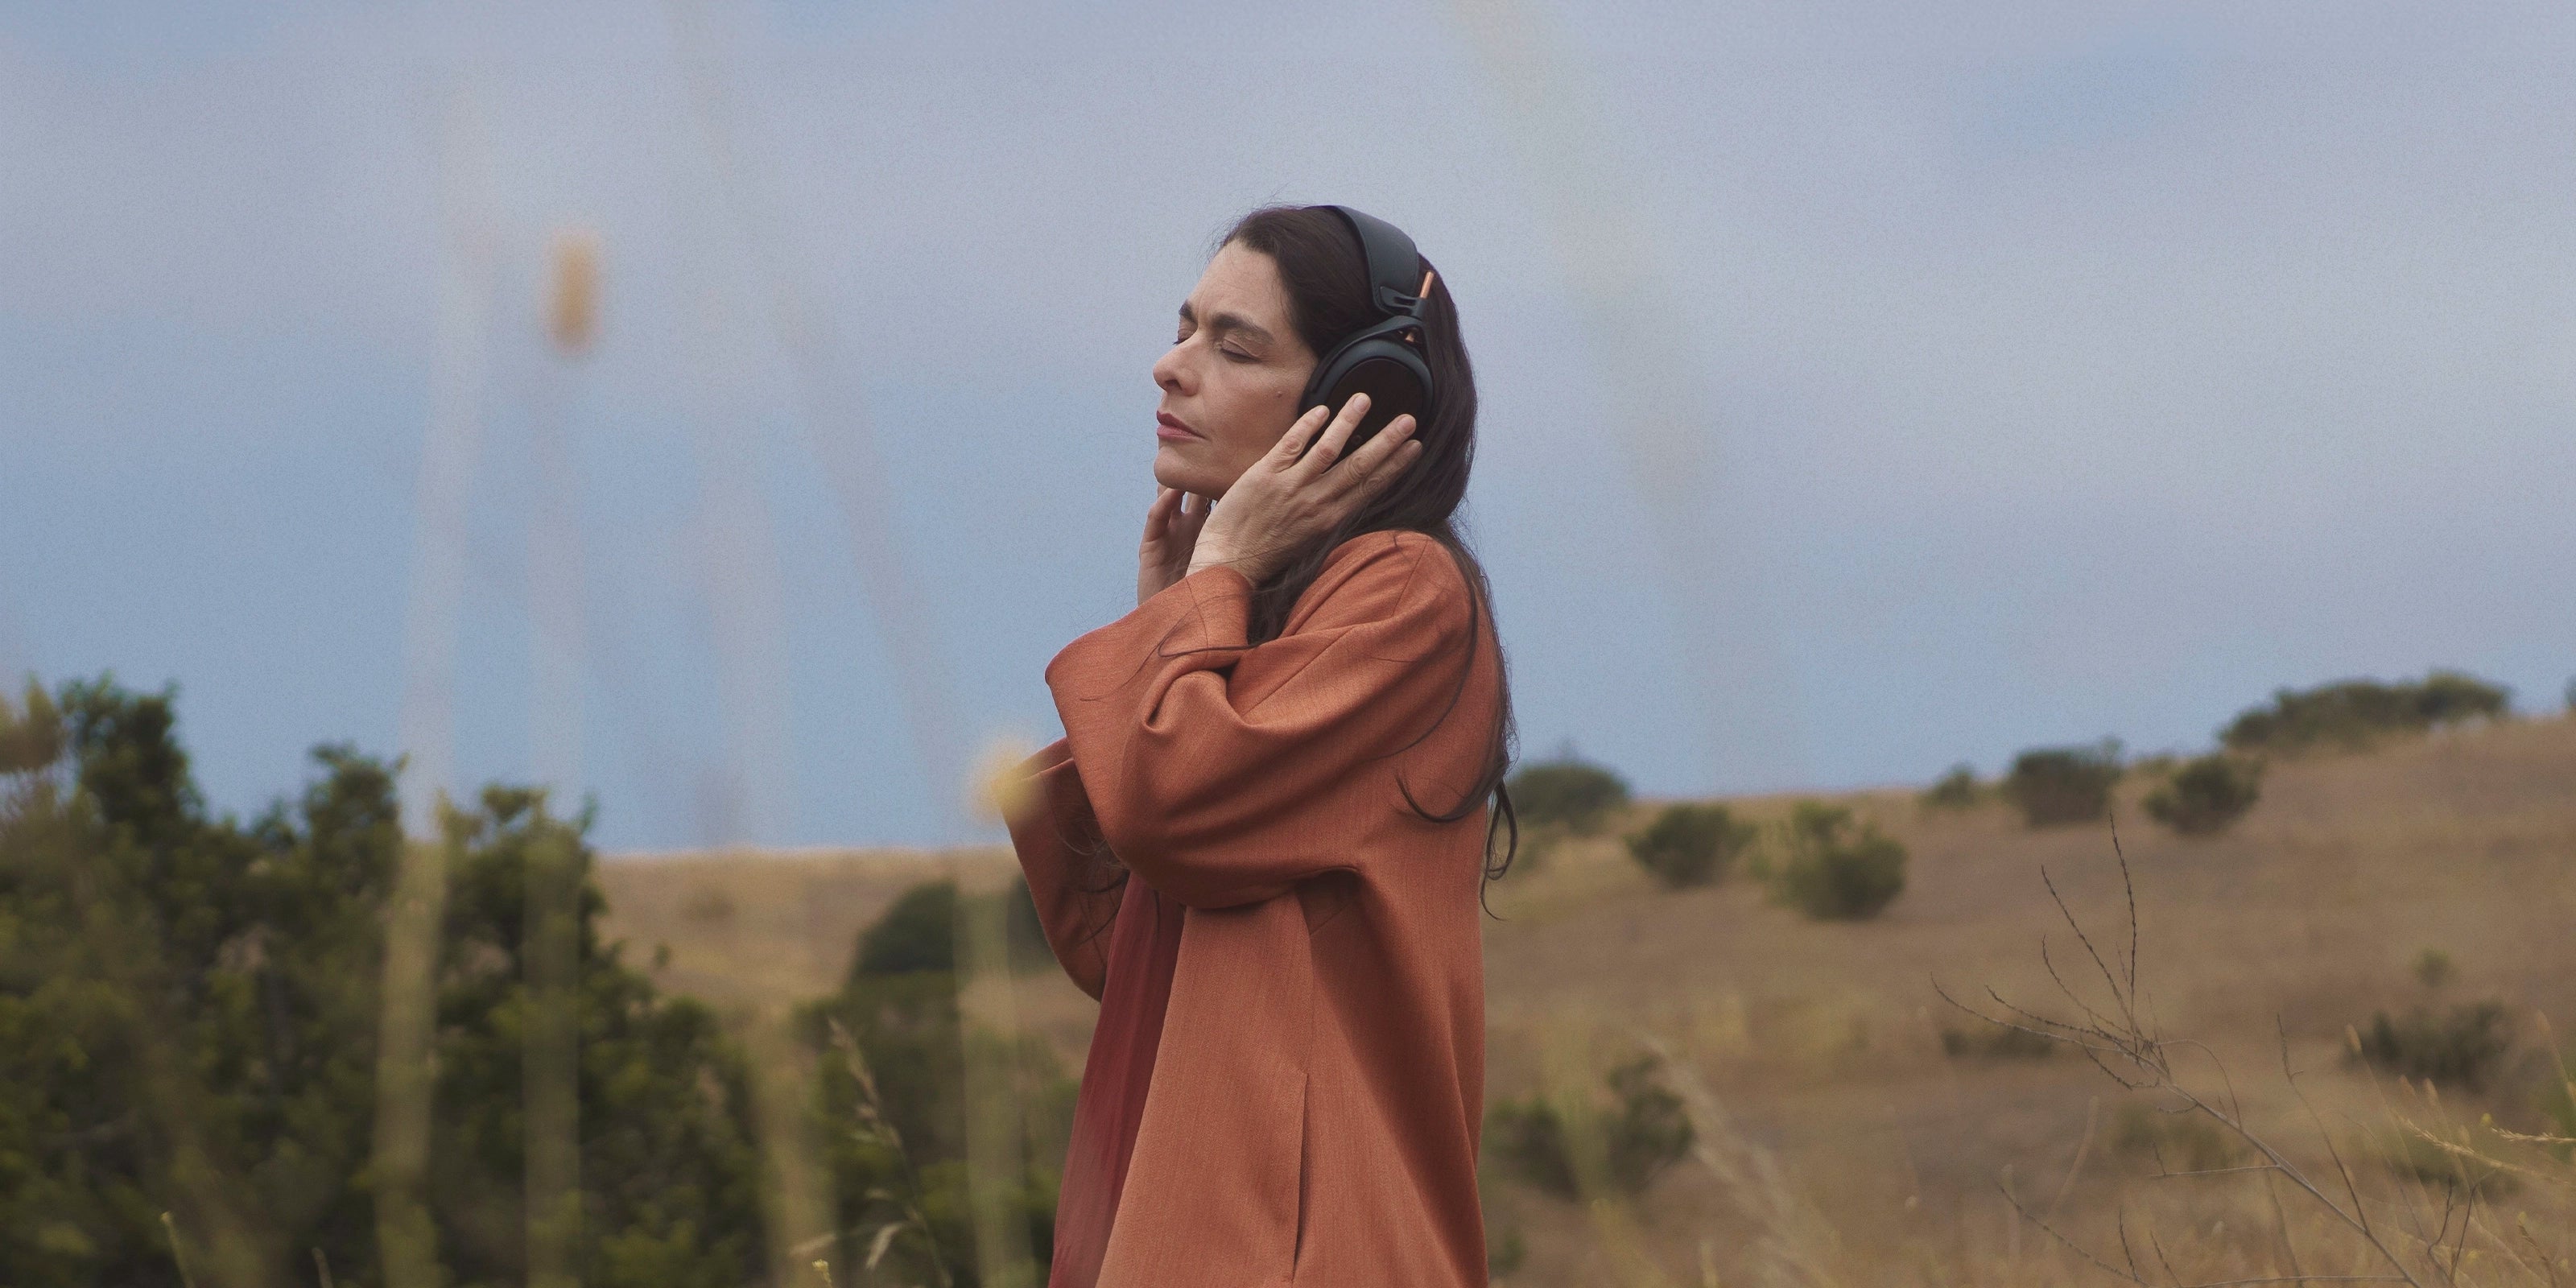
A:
{"points": [[1315, 1075]]}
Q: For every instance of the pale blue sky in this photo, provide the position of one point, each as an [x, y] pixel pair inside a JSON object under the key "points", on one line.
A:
{"points": [[2076, 370]]}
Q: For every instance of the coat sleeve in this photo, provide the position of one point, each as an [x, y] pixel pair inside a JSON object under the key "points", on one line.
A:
{"points": [[1224, 773], [1075, 887]]}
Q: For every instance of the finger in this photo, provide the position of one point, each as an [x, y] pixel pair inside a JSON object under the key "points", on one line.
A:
{"points": [[1158, 515], [1387, 472], [1369, 458], [1303, 428], [1329, 447]]}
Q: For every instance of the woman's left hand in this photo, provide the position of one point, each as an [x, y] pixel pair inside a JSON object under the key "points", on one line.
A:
{"points": [[1284, 501], [1171, 533]]}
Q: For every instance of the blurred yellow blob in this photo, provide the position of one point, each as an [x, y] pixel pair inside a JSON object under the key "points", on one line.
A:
{"points": [[997, 792], [572, 307]]}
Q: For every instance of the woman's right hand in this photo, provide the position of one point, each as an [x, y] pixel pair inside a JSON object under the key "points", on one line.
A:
{"points": [[1171, 535]]}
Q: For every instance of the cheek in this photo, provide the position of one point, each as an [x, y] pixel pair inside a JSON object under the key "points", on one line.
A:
{"points": [[1259, 405]]}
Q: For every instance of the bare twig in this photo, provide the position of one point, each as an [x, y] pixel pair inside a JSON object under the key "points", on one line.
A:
{"points": [[2120, 1041]]}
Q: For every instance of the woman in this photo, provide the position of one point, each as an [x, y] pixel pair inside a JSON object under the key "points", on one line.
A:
{"points": [[1262, 840]]}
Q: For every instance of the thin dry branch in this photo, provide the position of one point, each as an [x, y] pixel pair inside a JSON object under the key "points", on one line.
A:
{"points": [[2125, 1046]]}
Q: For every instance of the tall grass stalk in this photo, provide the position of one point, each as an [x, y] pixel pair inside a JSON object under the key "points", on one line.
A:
{"points": [[995, 1136], [1797, 1246], [874, 1125], [405, 1237], [550, 1068], [796, 1189]]}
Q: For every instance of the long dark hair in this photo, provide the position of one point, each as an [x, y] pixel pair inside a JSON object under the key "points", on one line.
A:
{"points": [[1325, 271]]}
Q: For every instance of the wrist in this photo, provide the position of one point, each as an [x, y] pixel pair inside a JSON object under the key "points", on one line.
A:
{"points": [[1210, 555], [1240, 568]]}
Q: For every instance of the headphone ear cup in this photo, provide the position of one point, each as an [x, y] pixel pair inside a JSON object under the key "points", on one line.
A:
{"points": [[1390, 372]]}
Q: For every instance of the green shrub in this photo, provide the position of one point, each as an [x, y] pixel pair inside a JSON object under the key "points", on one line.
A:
{"points": [[1995, 1042], [2464, 1046], [2353, 713], [1690, 845], [1836, 873], [1957, 789], [919, 931], [1651, 1130], [2433, 968], [1572, 794], [2185, 1141], [1528, 1138], [1645, 1130], [2207, 794], [2059, 785]]}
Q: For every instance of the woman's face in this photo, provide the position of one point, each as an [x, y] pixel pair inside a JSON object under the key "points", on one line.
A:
{"points": [[1230, 382]]}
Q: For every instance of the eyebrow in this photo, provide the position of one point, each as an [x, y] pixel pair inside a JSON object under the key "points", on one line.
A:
{"points": [[1228, 322]]}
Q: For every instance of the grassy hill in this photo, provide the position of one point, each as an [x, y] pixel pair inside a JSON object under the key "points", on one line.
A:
{"points": [[1852, 1146]]}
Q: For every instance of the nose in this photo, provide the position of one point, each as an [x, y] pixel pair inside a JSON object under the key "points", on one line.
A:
{"points": [[1172, 369]]}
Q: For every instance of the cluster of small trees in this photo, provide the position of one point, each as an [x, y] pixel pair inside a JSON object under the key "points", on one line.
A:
{"points": [[2204, 795], [191, 1007], [1820, 860], [2353, 714], [189, 1018]]}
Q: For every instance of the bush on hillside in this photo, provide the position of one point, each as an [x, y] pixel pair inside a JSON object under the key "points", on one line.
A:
{"points": [[1957, 789], [1644, 1131], [1527, 1137], [2207, 794], [1996, 1042], [2351, 714], [1690, 844], [2462, 1047], [2054, 786], [1835, 872], [1651, 1131], [1575, 795], [919, 931], [2176, 1141]]}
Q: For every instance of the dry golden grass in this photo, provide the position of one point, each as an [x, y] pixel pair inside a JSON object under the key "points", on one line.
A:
{"points": [[1821, 1040]]}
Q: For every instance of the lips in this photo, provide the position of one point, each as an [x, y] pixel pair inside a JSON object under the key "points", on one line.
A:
{"points": [[1172, 429]]}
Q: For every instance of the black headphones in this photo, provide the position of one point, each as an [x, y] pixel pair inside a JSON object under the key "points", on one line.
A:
{"points": [[1384, 358]]}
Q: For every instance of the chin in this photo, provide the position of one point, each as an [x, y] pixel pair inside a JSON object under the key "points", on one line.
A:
{"points": [[1173, 469]]}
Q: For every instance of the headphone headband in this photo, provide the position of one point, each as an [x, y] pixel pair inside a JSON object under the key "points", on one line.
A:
{"points": [[1394, 266]]}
